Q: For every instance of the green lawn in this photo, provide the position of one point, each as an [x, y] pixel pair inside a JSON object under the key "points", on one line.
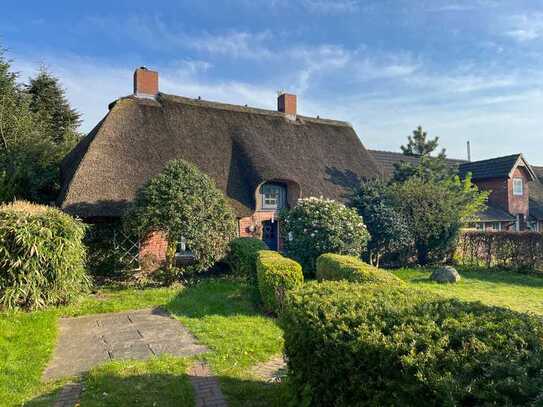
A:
{"points": [[502, 288], [218, 312], [222, 317], [27, 340]]}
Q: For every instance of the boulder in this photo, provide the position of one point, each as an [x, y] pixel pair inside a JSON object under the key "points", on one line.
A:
{"points": [[446, 274]]}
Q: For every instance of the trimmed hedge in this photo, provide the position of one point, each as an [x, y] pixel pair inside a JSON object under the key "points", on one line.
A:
{"points": [[353, 344], [276, 275], [513, 250], [242, 256], [42, 256], [336, 267]]}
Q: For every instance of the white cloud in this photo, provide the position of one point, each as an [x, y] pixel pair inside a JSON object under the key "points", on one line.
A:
{"points": [[525, 28], [331, 6]]}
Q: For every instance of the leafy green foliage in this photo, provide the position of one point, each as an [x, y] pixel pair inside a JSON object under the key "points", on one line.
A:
{"points": [[339, 267], [185, 203], [42, 257], [242, 256], [276, 276], [434, 212], [316, 226], [353, 344], [429, 167], [388, 229], [29, 154]]}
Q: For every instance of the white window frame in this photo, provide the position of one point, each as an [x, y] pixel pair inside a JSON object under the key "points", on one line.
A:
{"points": [[270, 202], [518, 187]]}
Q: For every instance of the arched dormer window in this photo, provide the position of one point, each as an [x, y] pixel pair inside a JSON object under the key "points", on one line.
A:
{"points": [[273, 196]]}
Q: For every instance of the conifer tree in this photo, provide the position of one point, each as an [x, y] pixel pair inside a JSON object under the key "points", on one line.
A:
{"points": [[48, 101]]}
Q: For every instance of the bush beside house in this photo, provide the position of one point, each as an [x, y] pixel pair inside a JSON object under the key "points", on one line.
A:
{"points": [[42, 256], [355, 344], [242, 256], [316, 226], [276, 275], [184, 203], [336, 267]]}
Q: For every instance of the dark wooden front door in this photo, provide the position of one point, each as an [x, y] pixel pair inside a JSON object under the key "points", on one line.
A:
{"points": [[269, 234]]}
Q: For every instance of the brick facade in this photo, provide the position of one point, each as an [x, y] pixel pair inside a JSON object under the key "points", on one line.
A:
{"points": [[153, 250], [502, 193], [254, 222]]}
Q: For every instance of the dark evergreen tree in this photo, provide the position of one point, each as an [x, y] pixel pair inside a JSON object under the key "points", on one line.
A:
{"points": [[429, 166], [29, 156], [48, 101]]}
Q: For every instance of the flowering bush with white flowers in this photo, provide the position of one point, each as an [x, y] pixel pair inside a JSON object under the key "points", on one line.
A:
{"points": [[316, 226]]}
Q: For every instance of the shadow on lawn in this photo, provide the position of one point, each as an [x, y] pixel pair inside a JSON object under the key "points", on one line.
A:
{"points": [[490, 276], [160, 389], [213, 297]]}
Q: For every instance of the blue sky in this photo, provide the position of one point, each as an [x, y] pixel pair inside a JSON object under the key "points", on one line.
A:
{"points": [[464, 70]]}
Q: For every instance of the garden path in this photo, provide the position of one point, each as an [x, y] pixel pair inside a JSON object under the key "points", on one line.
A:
{"points": [[85, 342], [273, 371]]}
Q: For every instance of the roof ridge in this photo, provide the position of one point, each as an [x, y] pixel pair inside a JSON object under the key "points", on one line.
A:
{"points": [[239, 108], [494, 158]]}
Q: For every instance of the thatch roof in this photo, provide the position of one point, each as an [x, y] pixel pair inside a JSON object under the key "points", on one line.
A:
{"points": [[239, 147]]}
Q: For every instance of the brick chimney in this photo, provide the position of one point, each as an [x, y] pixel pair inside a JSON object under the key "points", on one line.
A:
{"points": [[145, 82], [286, 103]]}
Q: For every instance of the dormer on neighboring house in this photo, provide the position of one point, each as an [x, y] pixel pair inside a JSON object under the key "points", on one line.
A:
{"points": [[508, 180]]}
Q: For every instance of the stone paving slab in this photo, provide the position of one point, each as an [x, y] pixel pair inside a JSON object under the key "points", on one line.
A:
{"points": [[87, 341]]}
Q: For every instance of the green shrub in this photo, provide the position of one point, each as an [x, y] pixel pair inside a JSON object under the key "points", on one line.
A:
{"points": [[242, 256], [42, 257], [352, 344], [276, 275], [316, 226], [332, 266], [185, 203]]}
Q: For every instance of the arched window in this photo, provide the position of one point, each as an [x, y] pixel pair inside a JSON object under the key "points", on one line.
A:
{"points": [[273, 196]]}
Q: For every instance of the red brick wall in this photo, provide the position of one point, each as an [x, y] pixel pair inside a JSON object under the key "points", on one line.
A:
{"points": [[517, 203], [256, 220], [499, 196], [502, 193], [155, 244]]}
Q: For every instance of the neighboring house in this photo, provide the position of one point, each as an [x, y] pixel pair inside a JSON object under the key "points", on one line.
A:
{"points": [[262, 160], [516, 194]]}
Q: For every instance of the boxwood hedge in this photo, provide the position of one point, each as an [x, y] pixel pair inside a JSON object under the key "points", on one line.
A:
{"points": [[276, 275], [332, 266], [242, 256], [356, 344]]}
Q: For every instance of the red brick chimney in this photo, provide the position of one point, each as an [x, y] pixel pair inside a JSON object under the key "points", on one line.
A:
{"points": [[145, 82], [286, 103]]}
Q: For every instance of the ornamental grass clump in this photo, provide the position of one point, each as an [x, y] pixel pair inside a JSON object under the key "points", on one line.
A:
{"points": [[316, 226], [42, 257], [370, 344]]}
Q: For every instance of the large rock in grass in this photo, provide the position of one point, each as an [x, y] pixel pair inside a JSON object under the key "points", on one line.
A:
{"points": [[445, 274]]}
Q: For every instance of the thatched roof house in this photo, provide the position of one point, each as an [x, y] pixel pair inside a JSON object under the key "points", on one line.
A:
{"points": [[241, 148]]}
